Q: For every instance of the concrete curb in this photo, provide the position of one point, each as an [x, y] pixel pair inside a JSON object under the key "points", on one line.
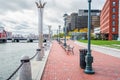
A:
{"points": [[38, 67]]}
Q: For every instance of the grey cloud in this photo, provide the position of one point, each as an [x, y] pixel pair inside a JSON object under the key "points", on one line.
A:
{"points": [[21, 26], [19, 5], [74, 5], [54, 20], [98, 4], [14, 5], [24, 26], [19, 32], [10, 21], [56, 9], [2, 24]]}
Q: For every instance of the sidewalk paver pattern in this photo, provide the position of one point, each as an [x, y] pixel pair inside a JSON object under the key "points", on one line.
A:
{"points": [[61, 66]]}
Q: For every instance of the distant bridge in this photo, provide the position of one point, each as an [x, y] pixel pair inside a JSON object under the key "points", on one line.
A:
{"points": [[21, 39]]}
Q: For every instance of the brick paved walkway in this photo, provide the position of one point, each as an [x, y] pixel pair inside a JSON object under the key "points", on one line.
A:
{"points": [[61, 66]]}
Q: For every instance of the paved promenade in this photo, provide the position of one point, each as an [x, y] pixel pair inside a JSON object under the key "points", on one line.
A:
{"points": [[61, 66]]}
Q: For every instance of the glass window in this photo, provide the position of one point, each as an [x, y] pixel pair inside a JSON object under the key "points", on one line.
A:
{"points": [[113, 23], [113, 29], [114, 3], [113, 10], [113, 16]]}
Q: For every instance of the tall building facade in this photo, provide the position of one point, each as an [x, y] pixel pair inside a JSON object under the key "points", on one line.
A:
{"points": [[109, 20], [83, 12], [74, 20], [83, 18], [80, 20], [68, 23]]}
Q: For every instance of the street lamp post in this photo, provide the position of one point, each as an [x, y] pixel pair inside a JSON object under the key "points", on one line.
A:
{"points": [[57, 35], [49, 33], [40, 7], [89, 58], [65, 30], [59, 32]]}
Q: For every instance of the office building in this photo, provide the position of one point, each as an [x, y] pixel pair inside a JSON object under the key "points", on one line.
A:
{"points": [[109, 20]]}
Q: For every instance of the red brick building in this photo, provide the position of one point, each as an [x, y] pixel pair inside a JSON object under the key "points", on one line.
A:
{"points": [[3, 35], [109, 20]]}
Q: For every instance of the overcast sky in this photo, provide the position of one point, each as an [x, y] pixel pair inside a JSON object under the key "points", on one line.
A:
{"points": [[21, 16]]}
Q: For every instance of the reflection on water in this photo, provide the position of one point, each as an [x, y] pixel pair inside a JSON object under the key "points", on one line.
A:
{"points": [[10, 54]]}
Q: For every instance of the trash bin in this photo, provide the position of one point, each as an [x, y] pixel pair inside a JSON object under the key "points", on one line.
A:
{"points": [[83, 53]]}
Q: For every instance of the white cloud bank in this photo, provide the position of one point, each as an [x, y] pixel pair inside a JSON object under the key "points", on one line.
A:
{"points": [[20, 16]]}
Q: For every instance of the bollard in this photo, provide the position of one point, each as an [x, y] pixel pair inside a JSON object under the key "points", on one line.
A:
{"points": [[25, 70], [48, 43], [43, 53], [39, 55], [45, 46]]}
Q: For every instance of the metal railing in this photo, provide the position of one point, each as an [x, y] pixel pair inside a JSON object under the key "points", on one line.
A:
{"points": [[15, 72], [22, 63]]}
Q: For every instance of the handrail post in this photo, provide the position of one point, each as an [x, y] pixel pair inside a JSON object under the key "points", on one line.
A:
{"points": [[45, 46], [39, 55], [25, 70]]}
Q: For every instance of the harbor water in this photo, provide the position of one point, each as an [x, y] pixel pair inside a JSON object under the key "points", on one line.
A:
{"points": [[10, 55]]}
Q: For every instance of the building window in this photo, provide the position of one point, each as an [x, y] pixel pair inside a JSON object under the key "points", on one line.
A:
{"points": [[113, 29], [113, 10], [114, 3], [113, 16], [113, 23]]}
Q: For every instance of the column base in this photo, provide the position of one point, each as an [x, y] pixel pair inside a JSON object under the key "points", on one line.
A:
{"points": [[64, 44], [39, 55], [89, 71]]}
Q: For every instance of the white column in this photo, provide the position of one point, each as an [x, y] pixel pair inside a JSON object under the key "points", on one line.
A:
{"points": [[40, 7], [40, 30], [49, 33]]}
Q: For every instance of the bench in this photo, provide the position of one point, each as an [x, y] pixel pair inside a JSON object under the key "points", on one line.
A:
{"points": [[69, 49], [62, 44]]}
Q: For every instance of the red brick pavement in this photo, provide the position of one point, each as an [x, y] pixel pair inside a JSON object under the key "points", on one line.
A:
{"points": [[61, 66]]}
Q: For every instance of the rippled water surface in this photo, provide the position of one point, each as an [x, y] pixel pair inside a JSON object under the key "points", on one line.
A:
{"points": [[10, 55]]}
